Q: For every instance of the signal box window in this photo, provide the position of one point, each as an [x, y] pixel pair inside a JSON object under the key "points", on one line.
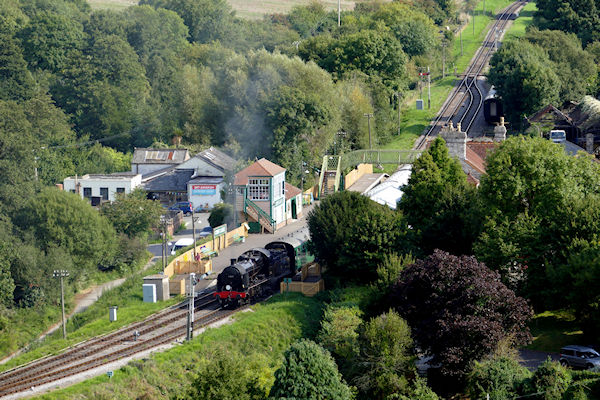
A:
{"points": [[258, 189]]}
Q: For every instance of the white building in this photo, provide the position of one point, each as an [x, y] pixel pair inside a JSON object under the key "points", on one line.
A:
{"points": [[98, 187]]}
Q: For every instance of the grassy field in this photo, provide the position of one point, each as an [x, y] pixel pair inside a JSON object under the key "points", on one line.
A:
{"points": [[520, 25], [552, 330], [260, 337], [413, 121], [252, 9]]}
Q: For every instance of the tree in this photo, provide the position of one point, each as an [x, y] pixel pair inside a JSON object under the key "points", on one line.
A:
{"points": [[133, 214], [225, 375], [551, 379], [390, 268], [578, 16], [386, 362], [351, 234], [222, 213], [458, 310], [16, 83], [525, 79], [61, 219], [438, 202], [339, 335], [7, 284], [308, 372]]}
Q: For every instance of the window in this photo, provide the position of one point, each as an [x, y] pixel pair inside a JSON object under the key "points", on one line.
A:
{"points": [[104, 193], [282, 188], [87, 192], [120, 190], [258, 189]]}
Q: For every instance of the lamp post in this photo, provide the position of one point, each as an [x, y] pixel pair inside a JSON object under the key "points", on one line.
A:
{"points": [[190, 316], [62, 274], [369, 116], [399, 97], [163, 234]]}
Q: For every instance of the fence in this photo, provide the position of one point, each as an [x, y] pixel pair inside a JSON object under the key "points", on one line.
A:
{"points": [[356, 174], [185, 263], [306, 288]]}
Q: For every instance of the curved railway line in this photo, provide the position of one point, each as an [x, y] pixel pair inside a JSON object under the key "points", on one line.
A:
{"points": [[466, 99], [159, 329]]}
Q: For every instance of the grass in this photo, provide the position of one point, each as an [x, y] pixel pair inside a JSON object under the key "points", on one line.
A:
{"points": [[552, 330], [93, 321], [413, 121], [520, 24], [262, 336]]}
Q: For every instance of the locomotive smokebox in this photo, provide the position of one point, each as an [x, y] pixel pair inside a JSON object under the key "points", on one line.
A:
{"points": [[232, 261]]}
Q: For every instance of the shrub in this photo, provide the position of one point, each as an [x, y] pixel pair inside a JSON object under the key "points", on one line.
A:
{"points": [[500, 377], [551, 379]]}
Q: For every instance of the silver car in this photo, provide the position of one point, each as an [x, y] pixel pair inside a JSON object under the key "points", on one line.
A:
{"points": [[579, 357]]}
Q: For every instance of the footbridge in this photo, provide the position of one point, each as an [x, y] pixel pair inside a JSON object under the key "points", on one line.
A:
{"points": [[334, 165]]}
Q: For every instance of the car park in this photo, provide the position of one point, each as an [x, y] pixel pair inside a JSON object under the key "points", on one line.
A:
{"points": [[579, 357]]}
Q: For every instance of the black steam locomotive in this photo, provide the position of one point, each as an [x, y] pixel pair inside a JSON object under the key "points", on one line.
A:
{"points": [[258, 272]]}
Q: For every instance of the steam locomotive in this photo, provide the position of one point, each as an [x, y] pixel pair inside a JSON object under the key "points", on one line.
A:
{"points": [[258, 272]]}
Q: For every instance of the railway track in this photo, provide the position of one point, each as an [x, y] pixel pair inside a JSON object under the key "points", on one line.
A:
{"points": [[466, 99], [159, 329]]}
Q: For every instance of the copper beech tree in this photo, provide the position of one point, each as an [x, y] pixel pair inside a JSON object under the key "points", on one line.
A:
{"points": [[458, 310]]}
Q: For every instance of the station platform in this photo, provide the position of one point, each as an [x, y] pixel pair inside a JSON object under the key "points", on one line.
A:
{"points": [[367, 182]]}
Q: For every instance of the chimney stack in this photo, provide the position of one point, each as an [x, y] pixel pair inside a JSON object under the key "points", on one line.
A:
{"points": [[500, 131]]}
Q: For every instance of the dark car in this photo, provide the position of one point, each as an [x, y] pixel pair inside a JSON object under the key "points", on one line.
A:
{"points": [[206, 231], [184, 206], [579, 357]]}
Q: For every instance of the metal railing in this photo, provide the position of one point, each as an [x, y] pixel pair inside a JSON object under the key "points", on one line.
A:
{"points": [[259, 211]]}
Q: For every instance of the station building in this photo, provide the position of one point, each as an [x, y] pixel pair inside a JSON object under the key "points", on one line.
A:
{"points": [[99, 188]]}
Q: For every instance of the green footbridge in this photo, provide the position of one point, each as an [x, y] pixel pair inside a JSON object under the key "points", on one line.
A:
{"points": [[333, 165]]}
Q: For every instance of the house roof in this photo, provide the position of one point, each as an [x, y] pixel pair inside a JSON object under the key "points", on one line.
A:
{"points": [[159, 156], [291, 191], [207, 180], [262, 167], [217, 158], [172, 181]]}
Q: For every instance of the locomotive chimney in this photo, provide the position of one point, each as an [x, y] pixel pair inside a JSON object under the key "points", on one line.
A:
{"points": [[232, 261]]}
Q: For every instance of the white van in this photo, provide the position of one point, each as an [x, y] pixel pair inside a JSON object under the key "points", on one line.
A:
{"points": [[180, 244], [558, 136]]}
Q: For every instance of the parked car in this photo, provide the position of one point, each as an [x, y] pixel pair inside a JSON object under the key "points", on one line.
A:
{"points": [[558, 136], [579, 357], [180, 244], [184, 206], [206, 231]]}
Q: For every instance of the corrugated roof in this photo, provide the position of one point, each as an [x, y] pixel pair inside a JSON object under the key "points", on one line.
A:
{"points": [[262, 167], [217, 158], [291, 191], [159, 156]]}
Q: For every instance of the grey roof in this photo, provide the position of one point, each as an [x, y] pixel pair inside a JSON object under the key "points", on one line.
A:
{"points": [[172, 181], [217, 158], [159, 156]]}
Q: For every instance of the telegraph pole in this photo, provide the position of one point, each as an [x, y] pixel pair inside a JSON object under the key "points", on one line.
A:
{"points": [[339, 13], [473, 12], [428, 88], [190, 317], [461, 44], [194, 233], [62, 274], [398, 96], [443, 59], [369, 116]]}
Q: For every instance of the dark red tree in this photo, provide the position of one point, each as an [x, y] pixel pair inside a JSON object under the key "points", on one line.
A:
{"points": [[458, 310]]}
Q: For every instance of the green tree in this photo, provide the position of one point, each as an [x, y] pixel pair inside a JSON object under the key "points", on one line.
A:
{"points": [[225, 375], [61, 219], [386, 361], [524, 77], [133, 214], [307, 19], [389, 270], [308, 372], [501, 377], [16, 82], [222, 213], [577, 16], [7, 284], [339, 335], [551, 379], [50, 38], [439, 203]]}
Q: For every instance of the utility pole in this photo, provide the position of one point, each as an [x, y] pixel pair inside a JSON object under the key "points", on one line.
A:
{"points": [[443, 58], [399, 97], [461, 44], [473, 12], [190, 316], [369, 116], [483, 7], [164, 242], [339, 13], [428, 88], [194, 233], [62, 274]]}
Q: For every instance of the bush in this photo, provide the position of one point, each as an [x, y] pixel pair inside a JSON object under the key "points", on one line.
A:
{"points": [[551, 379], [308, 372], [500, 377], [222, 213]]}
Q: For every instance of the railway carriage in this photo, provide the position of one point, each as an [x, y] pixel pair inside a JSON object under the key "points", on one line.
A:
{"points": [[492, 107]]}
